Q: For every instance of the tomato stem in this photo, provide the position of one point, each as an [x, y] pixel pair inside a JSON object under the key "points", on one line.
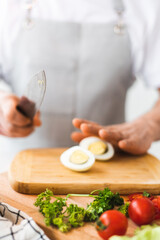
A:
{"points": [[100, 225]]}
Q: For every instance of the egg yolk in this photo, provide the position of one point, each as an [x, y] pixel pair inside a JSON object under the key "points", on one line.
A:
{"points": [[98, 148], [79, 157]]}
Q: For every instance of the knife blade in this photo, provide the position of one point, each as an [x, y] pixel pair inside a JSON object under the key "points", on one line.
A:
{"points": [[33, 96]]}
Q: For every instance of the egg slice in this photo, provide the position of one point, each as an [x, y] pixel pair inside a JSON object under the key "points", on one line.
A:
{"points": [[102, 150], [77, 159]]}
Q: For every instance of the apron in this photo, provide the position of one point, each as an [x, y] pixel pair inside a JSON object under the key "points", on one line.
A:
{"points": [[88, 70]]}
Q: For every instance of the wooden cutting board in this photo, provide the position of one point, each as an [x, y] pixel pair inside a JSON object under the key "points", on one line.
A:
{"points": [[34, 170], [26, 203]]}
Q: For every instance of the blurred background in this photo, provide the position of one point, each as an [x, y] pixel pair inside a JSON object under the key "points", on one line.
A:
{"points": [[139, 100]]}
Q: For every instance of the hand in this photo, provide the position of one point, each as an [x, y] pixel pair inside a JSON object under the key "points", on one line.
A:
{"points": [[12, 122], [135, 137]]}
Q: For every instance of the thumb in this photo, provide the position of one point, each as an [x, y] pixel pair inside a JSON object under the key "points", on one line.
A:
{"points": [[36, 120]]}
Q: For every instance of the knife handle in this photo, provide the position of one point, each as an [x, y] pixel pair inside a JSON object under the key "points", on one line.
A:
{"points": [[26, 107]]}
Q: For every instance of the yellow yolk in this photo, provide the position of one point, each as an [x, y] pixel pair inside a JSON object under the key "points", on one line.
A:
{"points": [[78, 157], [98, 147]]}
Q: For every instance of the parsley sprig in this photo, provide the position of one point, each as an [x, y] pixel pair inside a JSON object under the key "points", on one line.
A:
{"points": [[66, 216], [124, 209], [105, 200]]}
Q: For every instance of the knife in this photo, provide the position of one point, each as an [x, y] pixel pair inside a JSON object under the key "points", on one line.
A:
{"points": [[33, 95]]}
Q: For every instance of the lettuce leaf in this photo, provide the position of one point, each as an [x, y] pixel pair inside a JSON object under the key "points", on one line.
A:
{"points": [[147, 232]]}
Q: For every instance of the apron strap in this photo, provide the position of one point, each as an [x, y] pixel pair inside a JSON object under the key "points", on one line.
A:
{"points": [[119, 8], [28, 5]]}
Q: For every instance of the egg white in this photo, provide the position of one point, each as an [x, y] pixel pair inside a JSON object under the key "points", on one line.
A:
{"points": [[85, 143], [65, 159]]}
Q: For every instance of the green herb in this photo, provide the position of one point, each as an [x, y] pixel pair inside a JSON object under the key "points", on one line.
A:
{"points": [[145, 194], [124, 209], [58, 213], [76, 215], [64, 216], [49, 209], [60, 223], [105, 200]]}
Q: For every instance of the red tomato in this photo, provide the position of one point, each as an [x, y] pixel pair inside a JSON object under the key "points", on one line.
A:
{"points": [[141, 211], [133, 196], [111, 222], [156, 202]]}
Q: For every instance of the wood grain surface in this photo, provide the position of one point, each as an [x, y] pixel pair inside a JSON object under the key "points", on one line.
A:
{"points": [[32, 171]]}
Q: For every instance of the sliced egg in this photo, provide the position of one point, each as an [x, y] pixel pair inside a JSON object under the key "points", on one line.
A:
{"points": [[78, 159], [102, 150]]}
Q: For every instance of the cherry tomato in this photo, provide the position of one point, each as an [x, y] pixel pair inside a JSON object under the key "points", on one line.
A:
{"points": [[133, 196], [141, 211], [156, 202], [111, 222]]}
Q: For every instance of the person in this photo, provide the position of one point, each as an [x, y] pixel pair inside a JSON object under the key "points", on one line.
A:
{"points": [[91, 52]]}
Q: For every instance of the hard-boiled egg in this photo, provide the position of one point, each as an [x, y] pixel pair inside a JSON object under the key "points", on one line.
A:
{"points": [[77, 159], [102, 150]]}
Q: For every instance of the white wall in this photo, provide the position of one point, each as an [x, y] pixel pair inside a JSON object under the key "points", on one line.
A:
{"points": [[139, 100]]}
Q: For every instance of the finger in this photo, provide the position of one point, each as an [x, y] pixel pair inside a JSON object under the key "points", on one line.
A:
{"points": [[130, 146], [77, 122], [36, 121], [14, 131], [78, 136], [18, 119], [110, 135], [90, 129], [122, 127], [12, 115]]}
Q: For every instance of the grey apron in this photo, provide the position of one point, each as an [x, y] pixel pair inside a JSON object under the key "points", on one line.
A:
{"points": [[88, 69]]}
